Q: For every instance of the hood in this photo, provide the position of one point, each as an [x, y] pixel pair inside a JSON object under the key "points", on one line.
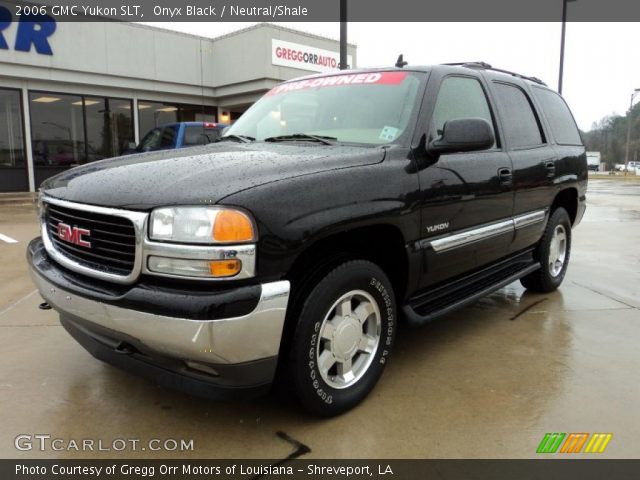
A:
{"points": [[197, 175]]}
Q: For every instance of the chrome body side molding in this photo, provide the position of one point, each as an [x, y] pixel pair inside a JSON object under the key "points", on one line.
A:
{"points": [[484, 232]]}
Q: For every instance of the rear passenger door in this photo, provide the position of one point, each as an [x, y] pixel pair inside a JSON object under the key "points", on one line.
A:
{"points": [[534, 161]]}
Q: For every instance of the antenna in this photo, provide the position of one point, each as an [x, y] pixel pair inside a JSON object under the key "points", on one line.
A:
{"points": [[400, 63]]}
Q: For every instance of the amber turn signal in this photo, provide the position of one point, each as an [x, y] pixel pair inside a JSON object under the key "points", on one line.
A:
{"points": [[233, 226], [225, 268]]}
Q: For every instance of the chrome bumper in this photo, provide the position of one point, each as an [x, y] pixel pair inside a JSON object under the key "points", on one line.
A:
{"points": [[226, 341]]}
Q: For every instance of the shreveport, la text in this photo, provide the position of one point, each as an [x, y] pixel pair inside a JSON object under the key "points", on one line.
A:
{"points": [[197, 470]]}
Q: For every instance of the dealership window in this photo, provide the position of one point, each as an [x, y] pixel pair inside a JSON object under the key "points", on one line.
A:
{"points": [[156, 114], [109, 127], [69, 130], [57, 131], [13, 171]]}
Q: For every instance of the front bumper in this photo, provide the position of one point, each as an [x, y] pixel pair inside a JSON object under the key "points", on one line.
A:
{"points": [[211, 357]]}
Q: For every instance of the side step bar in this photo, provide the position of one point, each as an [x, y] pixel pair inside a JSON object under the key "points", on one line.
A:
{"points": [[453, 295]]}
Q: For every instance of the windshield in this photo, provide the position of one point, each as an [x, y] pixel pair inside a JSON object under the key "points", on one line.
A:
{"points": [[371, 108]]}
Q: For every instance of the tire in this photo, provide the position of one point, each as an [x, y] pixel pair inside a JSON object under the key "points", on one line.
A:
{"points": [[553, 252], [343, 338]]}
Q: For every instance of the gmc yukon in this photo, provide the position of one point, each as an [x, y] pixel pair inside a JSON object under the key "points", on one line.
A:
{"points": [[336, 206]]}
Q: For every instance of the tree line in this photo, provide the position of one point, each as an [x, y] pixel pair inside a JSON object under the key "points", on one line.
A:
{"points": [[609, 137]]}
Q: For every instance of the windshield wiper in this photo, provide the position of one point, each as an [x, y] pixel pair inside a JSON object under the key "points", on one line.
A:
{"points": [[303, 136], [236, 138]]}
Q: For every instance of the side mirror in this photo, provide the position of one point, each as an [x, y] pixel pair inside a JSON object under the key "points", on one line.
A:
{"points": [[463, 135]]}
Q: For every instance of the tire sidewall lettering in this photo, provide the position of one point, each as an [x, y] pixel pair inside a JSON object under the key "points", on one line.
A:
{"points": [[385, 304]]}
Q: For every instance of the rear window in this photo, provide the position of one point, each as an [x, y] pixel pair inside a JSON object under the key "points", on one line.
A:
{"points": [[168, 137], [562, 124], [521, 125], [158, 139], [196, 135]]}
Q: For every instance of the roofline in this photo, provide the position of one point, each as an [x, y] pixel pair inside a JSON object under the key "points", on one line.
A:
{"points": [[147, 26], [284, 29]]}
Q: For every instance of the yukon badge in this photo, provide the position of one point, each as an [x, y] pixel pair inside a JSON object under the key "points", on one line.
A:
{"points": [[437, 228]]}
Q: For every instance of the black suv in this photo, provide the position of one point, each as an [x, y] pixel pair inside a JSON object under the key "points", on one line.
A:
{"points": [[336, 206]]}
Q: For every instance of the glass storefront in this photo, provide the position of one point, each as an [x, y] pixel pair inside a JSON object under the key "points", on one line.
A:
{"points": [[13, 171], [70, 130], [109, 126], [155, 114]]}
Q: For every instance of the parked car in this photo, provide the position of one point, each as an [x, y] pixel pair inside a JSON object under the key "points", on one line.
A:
{"points": [[179, 135], [633, 166], [337, 206]]}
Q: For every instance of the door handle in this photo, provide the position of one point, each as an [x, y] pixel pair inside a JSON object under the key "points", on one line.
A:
{"points": [[550, 166], [505, 176]]}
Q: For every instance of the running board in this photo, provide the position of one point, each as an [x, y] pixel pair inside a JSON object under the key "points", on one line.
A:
{"points": [[453, 295]]}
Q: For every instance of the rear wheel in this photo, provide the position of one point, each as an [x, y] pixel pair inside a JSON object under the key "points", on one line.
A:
{"points": [[343, 338], [553, 253]]}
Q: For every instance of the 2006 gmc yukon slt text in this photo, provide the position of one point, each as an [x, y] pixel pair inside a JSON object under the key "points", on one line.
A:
{"points": [[334, 207]]}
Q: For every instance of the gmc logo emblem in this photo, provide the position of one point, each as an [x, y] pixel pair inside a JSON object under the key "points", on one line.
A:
{"points": [[73, 235]]}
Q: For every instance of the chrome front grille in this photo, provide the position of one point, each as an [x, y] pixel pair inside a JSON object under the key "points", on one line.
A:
{"points": [[110, 247], [111, 244]]}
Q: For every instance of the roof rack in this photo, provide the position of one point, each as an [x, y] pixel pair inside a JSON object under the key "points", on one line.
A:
{"points": [[486, 66]]}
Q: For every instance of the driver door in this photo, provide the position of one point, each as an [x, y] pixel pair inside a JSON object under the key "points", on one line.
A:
{"points": [[468, 197]]}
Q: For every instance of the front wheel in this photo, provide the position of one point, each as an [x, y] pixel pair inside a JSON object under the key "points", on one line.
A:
{"points": [[553, 253], [343, 338]]}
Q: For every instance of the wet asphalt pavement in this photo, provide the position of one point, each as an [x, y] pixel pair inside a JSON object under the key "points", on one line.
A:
{"points": [[485, 382]]}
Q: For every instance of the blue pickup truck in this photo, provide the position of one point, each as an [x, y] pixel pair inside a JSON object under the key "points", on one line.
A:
{"points": [[180, 135]]}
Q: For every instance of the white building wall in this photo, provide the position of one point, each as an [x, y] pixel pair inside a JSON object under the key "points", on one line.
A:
{"points": [[138, 62]]}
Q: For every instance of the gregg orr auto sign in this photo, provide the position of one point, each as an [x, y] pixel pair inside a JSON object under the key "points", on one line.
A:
{"points": [[287, 54], [32, 31]]}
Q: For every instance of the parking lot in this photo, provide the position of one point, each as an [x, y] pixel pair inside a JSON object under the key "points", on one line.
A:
{"points": [[485, 382]]}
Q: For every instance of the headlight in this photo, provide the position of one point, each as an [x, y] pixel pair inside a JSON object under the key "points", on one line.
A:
{"points": [[203, 225]]}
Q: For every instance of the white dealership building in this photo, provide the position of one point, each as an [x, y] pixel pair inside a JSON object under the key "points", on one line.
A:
{"points": [[75, 92]]}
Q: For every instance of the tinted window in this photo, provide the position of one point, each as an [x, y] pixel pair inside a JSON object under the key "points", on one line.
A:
{"points": [[168, 137], [521, 125], [158, 139], [194, 135], [460, 97], [559, 116]]}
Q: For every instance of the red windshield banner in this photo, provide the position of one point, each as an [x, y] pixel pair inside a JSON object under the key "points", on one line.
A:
{"points": [[373, 78]]}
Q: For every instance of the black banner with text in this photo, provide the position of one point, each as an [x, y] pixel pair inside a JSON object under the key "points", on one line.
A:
{"points": [[583, 469], [315, 11]]}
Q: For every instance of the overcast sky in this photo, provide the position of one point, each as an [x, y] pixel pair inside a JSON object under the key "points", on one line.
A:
{"points": [[602, 67]]}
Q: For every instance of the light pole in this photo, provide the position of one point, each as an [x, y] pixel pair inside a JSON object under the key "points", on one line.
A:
{"points": [[626, 153], [343, 35], [564, 31]]}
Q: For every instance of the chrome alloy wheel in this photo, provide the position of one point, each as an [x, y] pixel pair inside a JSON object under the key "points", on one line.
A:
{"points": [[349, 337], [557, 250]]}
